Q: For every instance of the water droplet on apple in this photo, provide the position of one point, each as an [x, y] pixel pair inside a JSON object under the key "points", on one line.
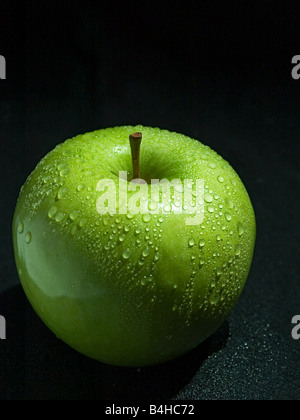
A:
{"points": [[178, 187], [189, 185], [146, 252], [73, 215], [137, 231], [228, 217], [59, 217], [204, 156], [129, 216], [161, 219], [191, 243], [201, 243], [64, 172], [28, 237], [220, 179], [121, 238], [156, 256], [147, 218], [208, 198], [73, 230], [126, 254], [229, 203], [52, 212], [201, 262], [46, 179], [144, 281], [83, 222], [237, 250], [80, 187], [167, 208], [20, 227], [210, 209], [177, 204], [57, 179], [152, 206], [223, 296], [219, 271], [212, 165], [240, 228], [214, 297], [218, 238], [62, 192]]}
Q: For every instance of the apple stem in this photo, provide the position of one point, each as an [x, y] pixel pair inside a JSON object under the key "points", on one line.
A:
{"points": [[135, 144]]}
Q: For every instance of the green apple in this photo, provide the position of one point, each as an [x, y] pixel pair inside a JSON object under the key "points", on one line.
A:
{"points": [[133, 288]]}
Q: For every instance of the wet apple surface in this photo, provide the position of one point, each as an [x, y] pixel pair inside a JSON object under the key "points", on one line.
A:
{"points": [[133, 288]]}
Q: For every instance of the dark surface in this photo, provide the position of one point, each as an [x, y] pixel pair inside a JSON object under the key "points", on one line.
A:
{"points": [[219, 73]]}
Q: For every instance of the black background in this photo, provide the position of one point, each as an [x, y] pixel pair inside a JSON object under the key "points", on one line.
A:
{"points": [[219, 71]]}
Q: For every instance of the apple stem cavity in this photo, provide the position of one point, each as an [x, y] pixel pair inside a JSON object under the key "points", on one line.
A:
{"points": [[135, 144]]}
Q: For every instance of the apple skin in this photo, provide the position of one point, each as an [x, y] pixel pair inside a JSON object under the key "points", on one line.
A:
{"points": [[120, 289]]}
